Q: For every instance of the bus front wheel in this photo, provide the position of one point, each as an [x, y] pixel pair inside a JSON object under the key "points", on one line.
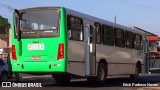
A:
{"points": [[136, 74]]}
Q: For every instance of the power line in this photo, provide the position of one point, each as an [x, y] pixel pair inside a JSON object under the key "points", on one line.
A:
{"points": [[139, 5], [5, 15], [29, 2], [10, 6], [22, 3], [15, 3], [134, 5]]}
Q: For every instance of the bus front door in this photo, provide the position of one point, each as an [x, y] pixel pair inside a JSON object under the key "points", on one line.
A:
{"points": [[146, 56], [90, 50]]}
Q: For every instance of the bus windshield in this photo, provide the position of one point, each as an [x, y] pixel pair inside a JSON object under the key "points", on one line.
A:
{"points": [[39, 23]]}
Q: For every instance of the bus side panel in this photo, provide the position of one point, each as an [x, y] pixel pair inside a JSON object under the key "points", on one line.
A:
{"points": [[76, 63], [120, 60]]}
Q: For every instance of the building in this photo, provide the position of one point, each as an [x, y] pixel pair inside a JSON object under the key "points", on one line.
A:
{"points": [[154, 53], [154, 48], [5, 46]]}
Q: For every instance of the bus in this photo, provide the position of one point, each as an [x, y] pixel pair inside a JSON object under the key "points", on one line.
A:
{"points": [[66, 43]]}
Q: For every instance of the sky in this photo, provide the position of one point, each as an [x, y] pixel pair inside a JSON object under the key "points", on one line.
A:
{"points": [[144, 14]]}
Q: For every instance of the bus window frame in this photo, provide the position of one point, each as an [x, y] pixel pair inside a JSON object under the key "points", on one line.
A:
{"points": [[70, 28], [111, 36], [122, 39], [38, 9], [129, 39], [135, 45], [100, 28]]}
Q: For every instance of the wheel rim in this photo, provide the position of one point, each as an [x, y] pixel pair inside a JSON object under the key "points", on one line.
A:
{"points": [[101, 73], [136, 72]]}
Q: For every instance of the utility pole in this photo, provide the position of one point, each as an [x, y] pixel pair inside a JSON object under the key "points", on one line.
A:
{"points": [[115, 19]]}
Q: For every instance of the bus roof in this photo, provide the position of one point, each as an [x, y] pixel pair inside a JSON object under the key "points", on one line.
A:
{"points": [[92, 18], [89, 17]]}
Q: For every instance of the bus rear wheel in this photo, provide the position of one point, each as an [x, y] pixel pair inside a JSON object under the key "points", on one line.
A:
{"points": [[101, 73], [17, 77], [61, 79]]}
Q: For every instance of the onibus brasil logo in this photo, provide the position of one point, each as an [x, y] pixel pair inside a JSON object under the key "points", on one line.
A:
{"points": [[15, 84]]}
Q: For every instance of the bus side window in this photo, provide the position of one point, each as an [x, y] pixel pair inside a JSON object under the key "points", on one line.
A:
{"points": [[75, 28], [119, 37], [98, 32], [108, 35], [129, 39], [138, 41]]}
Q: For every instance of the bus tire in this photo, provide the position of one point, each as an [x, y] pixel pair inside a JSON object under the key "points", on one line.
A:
{"points": [[136, 74], [101, 73], [62, 79], [17, 77]]}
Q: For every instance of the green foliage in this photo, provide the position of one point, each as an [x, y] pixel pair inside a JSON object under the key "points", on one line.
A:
{"points": [[3, 24]]}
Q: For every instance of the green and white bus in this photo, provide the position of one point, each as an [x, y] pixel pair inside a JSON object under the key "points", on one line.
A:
{"points": [[67, 43]]}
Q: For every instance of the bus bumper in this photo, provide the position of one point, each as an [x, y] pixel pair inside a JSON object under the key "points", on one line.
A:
{"points": [[52, 66]]}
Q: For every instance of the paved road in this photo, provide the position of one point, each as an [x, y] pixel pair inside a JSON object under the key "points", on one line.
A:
{"points": [[112, 83]]}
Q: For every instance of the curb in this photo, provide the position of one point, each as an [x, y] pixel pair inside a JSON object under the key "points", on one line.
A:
{"points": [[151, 88]]}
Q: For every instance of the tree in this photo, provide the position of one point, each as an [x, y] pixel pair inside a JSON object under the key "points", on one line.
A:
{"points": [[3, 25]]}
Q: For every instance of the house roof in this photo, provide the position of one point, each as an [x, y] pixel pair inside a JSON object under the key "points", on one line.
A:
{"points": [[154, 52], [153, 38]]}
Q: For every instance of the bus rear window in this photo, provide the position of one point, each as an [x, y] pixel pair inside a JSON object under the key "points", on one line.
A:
{"points": [[39, 23]]}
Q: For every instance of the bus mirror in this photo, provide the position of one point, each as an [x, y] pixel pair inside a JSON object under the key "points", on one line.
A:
{"points": [[69, 33], [17, 23]]}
